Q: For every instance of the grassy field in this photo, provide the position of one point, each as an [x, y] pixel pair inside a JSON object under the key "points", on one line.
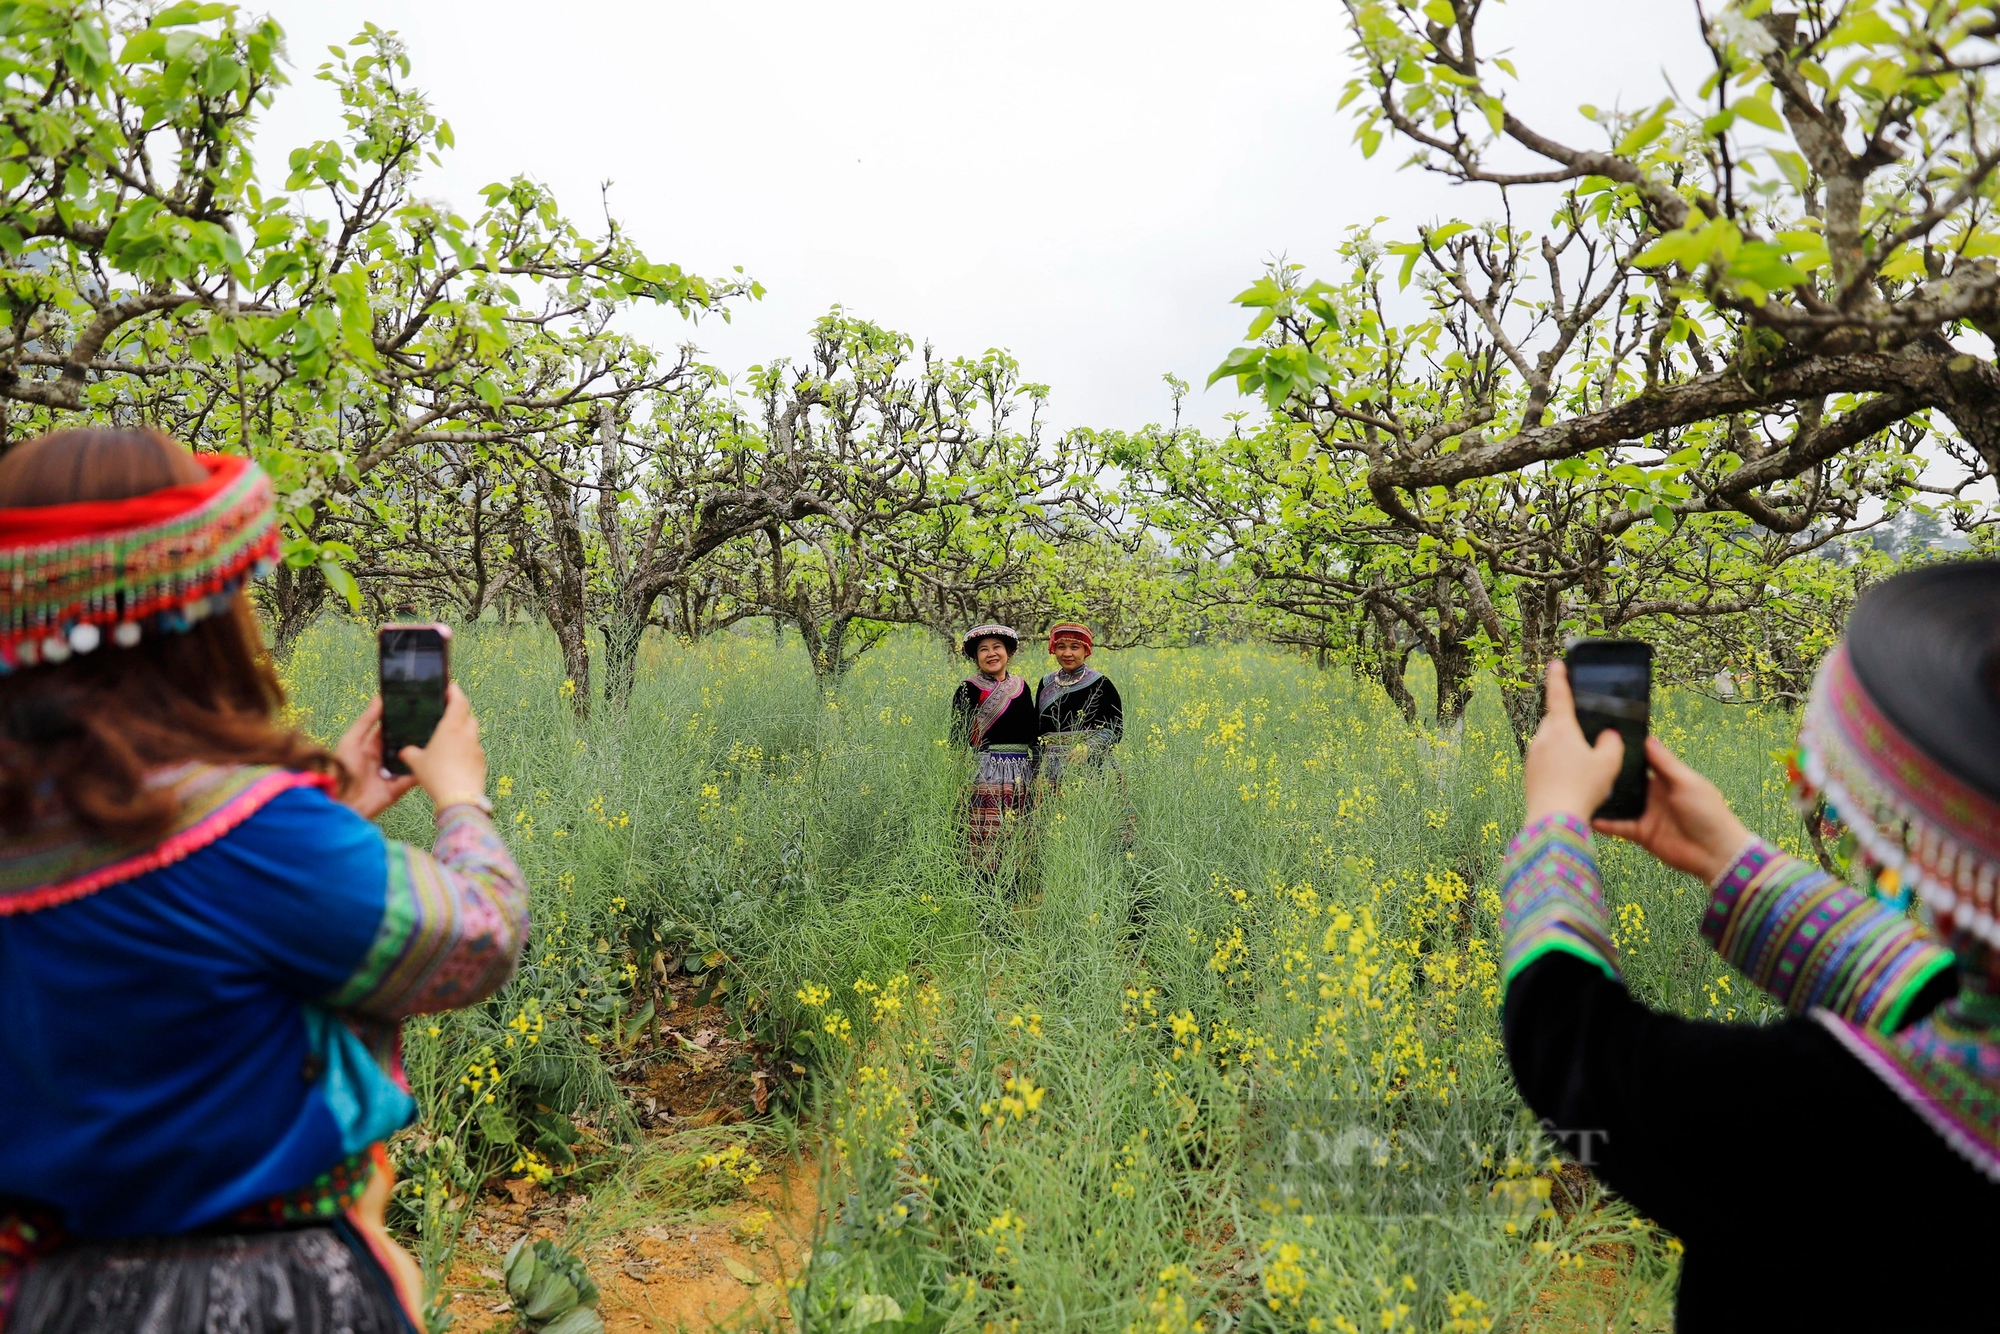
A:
{"points": [[1237, 1068]]}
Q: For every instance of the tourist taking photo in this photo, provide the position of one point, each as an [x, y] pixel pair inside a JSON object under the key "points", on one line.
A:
{"points": [[206, 948], [1805, 1163]]}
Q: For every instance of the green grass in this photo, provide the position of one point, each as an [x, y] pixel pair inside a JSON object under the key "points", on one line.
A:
{"points": [[1264, 1033]]}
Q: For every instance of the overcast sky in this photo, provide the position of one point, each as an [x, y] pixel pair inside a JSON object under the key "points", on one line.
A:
{"points": [[1085, 184]]}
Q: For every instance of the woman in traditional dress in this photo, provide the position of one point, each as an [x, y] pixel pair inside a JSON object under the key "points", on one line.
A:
{"points": [[995, 713], [205, 946], [1807, 1164], [1082, 717]]}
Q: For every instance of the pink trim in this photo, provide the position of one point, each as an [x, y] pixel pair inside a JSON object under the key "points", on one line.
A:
{"points": [[377, 1241], [1968, 1145], [175, 847]]}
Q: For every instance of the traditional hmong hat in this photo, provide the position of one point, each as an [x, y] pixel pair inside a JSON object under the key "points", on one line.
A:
{"points": [[972, 637], [1070, 630], [1901, 740], [158, 561]]}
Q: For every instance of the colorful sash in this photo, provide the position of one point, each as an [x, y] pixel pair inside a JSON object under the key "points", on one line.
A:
{"points": [[56, 862], [994, 697]]}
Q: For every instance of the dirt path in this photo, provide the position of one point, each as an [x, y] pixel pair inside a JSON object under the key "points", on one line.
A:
{"points": [[696, 1276], [727, 1267], [668, 1263]]}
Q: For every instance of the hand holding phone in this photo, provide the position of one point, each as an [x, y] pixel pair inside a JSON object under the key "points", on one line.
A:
{"points": [[1562, 774], [1611, 682], [370, 789], [415, 668]]}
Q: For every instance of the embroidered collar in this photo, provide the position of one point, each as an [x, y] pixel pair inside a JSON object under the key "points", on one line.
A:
{"points": [[994, 697], [55, 863], [1057, 684]]}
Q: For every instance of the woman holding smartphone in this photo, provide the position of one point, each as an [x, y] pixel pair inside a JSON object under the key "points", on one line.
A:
{"points": [[205, 946], [1784, 1155]]}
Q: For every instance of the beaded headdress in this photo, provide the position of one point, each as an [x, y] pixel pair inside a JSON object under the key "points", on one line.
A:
{"points": [[1069, 630], [73, 574], [1910, 817], [970, 642]]}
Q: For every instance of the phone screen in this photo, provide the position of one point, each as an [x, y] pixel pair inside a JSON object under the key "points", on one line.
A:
{"points": [[1617, 689], [414, 669], [1612, 682]]}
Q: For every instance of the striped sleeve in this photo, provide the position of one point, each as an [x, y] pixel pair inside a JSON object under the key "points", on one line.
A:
{"points": [[1550, 901], [1814, 942], [453, 925]]}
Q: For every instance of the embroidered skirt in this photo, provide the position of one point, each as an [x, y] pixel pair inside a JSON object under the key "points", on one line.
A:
{"points": [[1001, 790], [320, 1279]]}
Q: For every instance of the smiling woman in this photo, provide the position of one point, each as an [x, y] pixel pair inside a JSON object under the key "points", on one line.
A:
{"points": [[994, 712], [1080, 712]]}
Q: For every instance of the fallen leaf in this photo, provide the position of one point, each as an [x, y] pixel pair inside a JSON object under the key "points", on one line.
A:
{"points": [[523, 1190], [872, 1308], [742, 1272]]}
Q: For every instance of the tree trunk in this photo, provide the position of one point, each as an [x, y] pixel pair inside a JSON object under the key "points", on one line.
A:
{"points": [[622, 636], [818, 644], [296, 599], [1541, 621], [1392, 659], [1453, 664], [563, 599]]}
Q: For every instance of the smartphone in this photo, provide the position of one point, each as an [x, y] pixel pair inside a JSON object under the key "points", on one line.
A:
{"points": [[1612, 681], [415, 664]]}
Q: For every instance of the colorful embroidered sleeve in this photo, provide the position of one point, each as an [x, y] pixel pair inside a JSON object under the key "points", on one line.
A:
{"points": [[452, 927], [1813, 942], [1549, 899]]}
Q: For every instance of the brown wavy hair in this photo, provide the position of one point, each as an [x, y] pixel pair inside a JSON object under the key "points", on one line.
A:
{"points": [[79, 738]]}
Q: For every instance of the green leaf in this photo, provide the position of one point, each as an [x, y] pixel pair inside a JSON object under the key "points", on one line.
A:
{"points": [[519, 1269], [743, 1273], [874, 1308], [1663, 518], [577, 1320], [340, 581], [1411, 252], [551, 1295], [494, 1123], [489, 392], [1440, 11], [1866, 28], [1244, 361], [1647, 130], [1907, 262], [1759, 112]]}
